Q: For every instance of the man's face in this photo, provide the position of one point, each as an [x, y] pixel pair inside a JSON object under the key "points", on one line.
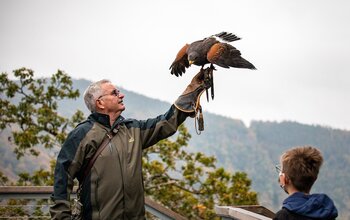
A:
{"points": [[111, 99]]}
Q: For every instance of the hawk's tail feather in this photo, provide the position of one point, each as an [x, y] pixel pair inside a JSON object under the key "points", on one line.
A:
{"points": [[229, 37], [242, 63]]}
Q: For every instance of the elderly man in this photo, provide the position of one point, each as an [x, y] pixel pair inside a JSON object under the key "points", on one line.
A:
{"points": [[111, 185]]}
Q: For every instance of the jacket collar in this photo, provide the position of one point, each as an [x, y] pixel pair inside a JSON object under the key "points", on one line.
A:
{"points": [[104, 119]]}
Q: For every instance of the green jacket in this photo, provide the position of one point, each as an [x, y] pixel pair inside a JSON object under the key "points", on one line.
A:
{"points": [[114, 187]]}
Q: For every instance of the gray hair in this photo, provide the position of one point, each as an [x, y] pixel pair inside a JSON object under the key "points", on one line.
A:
{"points": [[92, 92]]}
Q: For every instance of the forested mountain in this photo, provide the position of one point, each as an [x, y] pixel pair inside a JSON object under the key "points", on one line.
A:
{"points": [[254, 149]]}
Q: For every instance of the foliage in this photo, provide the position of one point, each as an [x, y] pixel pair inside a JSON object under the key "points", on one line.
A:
{"points": [[190, 183], [14, 209], [3, 179], [40, 177], [29, 107]]}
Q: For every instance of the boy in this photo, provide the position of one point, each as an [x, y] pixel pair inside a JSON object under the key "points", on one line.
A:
{"points": [[300, 167]]}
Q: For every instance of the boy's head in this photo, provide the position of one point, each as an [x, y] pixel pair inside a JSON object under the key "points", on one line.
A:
{"points": [[300, 167]]}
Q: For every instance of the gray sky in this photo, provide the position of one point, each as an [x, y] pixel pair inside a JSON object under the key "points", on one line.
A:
{"points": [[301, 49]]}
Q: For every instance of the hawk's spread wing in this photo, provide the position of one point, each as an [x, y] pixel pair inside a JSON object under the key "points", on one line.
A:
{"points": [[226, 55], [178, 67]]}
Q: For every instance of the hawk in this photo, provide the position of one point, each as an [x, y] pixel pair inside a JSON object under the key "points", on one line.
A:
{"points": [[211, 50]]}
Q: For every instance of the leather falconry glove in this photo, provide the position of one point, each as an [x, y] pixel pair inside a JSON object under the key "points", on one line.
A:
{"points": [[189, 100]]}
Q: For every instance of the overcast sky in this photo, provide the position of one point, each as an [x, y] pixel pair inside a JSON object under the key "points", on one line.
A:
{"points": [[301, 49]]}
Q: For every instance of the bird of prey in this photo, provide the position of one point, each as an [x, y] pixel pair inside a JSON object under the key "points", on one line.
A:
{"points": [[211, 50]]}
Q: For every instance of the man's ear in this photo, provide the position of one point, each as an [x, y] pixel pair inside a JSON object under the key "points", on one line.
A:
{"points": [[99, 104]]}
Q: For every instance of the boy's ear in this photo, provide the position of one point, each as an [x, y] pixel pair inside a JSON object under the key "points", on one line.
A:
{"points": [[283, 179]]}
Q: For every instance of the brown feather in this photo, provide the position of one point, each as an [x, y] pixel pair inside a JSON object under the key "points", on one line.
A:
{"points": [[181, 62]]}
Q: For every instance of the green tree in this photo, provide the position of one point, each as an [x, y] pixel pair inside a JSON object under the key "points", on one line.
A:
{"points": [[40, 177], [3, 179], [189, 183], [28, 107]]}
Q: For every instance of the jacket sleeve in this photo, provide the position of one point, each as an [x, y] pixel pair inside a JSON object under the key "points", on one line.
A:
{"points": [[60, 210], [64, 176], [161, 127], [281, 214]]}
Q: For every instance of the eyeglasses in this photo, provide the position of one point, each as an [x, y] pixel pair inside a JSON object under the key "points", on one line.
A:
{"points": [[115, 92], [278, 169]]}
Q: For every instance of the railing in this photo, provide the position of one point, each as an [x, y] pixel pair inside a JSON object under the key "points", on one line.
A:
{"points": [[44, 192], [157, 210], [252, 212]]}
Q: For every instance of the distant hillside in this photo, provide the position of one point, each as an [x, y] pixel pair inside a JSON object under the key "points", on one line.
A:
{"points": [[253, 149]]}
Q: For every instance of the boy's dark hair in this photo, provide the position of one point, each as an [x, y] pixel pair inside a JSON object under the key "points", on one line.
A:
{"points": [[301, 166]]}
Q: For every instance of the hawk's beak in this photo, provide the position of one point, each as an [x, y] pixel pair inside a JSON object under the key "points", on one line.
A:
{"points": [[190, 62]]}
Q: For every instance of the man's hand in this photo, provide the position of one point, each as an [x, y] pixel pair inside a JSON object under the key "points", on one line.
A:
{"points": [[189, 101]]}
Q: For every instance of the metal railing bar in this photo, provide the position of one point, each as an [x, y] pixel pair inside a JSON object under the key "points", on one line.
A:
{"points": [[44, 192]]}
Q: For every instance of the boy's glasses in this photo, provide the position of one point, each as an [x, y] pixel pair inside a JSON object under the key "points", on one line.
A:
{"points": [[278, 169]]}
